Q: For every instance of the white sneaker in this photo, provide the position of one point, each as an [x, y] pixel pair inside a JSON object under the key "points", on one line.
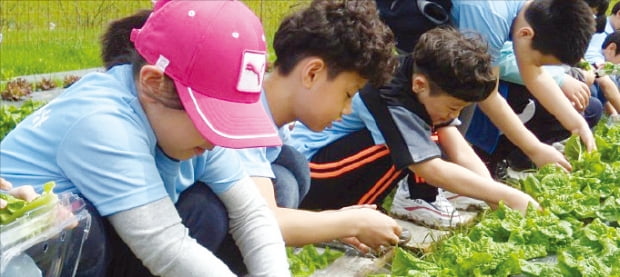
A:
{"points": [[463, 203], [439, 214]]}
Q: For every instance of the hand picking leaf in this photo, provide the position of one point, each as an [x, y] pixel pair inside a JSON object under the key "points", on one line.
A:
{"points": [[17, 207]]}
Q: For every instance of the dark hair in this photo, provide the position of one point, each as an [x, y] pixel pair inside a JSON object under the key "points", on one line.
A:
{"points": [[615, 8], [117, 49], [600, 5], [347, 34], [459, 64], [601, 8], [612, 38], [562, 28]]}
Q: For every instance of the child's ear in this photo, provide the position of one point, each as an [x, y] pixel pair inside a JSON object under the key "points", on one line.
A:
{"points": [[152, 81], [418, 83], [525, 32], [310, 71], [151, 77]]}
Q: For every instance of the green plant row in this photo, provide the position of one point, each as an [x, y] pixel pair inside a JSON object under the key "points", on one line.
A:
{"points": [[304, 261], [576, 234]]}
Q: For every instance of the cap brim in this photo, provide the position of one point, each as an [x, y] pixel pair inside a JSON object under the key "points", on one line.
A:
{"points": [[229, 124]]}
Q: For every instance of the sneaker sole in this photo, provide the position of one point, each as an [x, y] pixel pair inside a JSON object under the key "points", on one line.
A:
{"points": [[469, 207]]}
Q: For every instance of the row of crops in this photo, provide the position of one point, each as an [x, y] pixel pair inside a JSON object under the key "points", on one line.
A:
{"points": [[576, 234]]}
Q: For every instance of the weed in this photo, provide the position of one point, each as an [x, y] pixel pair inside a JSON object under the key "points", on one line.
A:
{"points": [[69, 80], [45, 84], [16, 89]]}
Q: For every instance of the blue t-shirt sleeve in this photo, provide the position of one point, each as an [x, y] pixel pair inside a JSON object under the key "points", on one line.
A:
{"points": [[221, 168], [369, 120], [115, 170], [255, 162]]}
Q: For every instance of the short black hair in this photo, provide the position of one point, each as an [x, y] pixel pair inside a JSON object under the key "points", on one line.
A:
{"points": [[116, 47], [562, 28], [613, 37]]}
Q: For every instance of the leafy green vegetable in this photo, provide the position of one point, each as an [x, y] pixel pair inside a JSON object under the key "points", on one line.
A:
{"points": [[17, 207], [11, 115], [608, 68], [578, 226], [308, 259], [583, 64]]}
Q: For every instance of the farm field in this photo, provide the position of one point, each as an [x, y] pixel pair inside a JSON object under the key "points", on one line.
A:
{"points": [[51, 36], [577, 234]]}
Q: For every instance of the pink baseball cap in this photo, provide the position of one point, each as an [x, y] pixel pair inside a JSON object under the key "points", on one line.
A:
{"points": [[215, 52]]}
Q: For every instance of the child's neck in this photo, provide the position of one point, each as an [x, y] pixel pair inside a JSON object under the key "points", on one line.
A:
{"points": [[278, 92]]}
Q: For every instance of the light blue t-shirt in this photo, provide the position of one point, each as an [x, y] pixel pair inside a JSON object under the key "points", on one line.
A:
{"points": [[594, 53], [309, 142], [257, 161], [491, 18], [95, 139]]}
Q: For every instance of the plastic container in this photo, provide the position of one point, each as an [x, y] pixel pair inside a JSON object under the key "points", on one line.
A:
{"points": [[46, 241]]}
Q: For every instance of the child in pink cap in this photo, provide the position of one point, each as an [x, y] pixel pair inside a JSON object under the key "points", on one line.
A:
{"points": [[137, 142], [325, 51]]}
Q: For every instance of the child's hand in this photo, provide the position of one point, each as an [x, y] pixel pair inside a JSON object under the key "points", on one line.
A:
{"points": [[521, 200], [353, 241], [589, 76], [577, 92], [374, 229], [586, 136], [5, 185], [26, 193], [546, 154]]}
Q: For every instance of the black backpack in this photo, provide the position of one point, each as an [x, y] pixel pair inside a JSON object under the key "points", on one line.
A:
{"points": [[409, 19]]}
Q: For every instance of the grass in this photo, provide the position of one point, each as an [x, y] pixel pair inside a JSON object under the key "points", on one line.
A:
{"points": [[271, 13], [61, 35], [51, 36]]}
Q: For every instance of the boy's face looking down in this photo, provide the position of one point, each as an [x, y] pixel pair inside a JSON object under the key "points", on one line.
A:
{"points": [[440, 106], [325, 99]]}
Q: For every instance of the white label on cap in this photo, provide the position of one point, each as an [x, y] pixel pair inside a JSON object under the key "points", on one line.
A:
{"points": [[252, 71], [162, 63]]}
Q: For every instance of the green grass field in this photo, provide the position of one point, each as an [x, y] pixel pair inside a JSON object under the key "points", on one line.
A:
{"points": [[40, 36], [50, 36]]}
